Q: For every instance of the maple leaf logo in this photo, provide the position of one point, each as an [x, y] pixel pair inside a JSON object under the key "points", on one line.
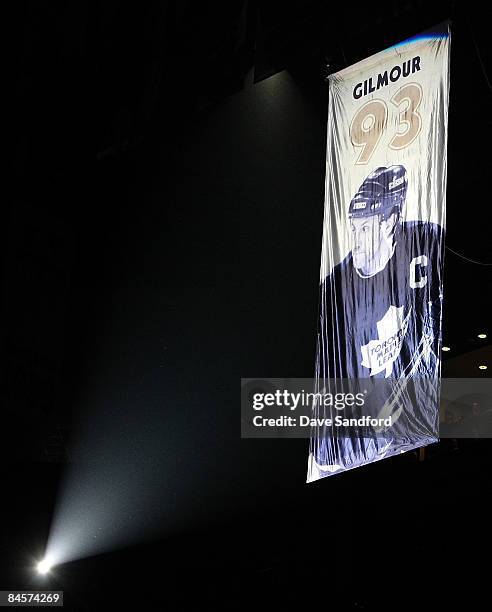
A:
{"points": [[380, 354]]}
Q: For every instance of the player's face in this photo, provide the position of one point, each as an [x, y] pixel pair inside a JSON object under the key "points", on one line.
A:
{"points": [[366, 243]]}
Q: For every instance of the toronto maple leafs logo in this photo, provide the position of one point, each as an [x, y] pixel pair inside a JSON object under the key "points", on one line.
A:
{"points": [[380, 354]]}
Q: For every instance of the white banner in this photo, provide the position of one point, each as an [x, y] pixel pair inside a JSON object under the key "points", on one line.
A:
{"points": [[383, 247]]}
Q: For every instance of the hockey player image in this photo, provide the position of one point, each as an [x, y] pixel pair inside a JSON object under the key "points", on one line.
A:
{"points": [[380, 316], [380, 307]]}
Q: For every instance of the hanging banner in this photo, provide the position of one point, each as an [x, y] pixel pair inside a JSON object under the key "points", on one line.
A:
{"points": [[380, 306]]}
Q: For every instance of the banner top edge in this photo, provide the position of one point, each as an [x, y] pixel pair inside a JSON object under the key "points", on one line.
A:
{"points": [[441, 30]]}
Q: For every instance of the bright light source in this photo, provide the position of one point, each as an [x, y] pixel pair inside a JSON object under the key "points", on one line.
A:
{"points": [[44, 566], [446, 348], [482, 336], [482, 367]]}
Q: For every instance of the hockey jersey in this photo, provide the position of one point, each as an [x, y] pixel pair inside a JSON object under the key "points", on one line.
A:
{"points": [[386, 326]]}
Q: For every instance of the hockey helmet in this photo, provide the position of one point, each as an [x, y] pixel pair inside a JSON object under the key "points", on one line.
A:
{"points": [[383, 191]]}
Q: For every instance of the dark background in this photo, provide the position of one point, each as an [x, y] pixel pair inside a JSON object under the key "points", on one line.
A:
{"points": [[161, 239]]}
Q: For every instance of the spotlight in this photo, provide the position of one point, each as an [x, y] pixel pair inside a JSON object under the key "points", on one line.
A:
{"points": [[482, 336], [44, 566], [446, 348], [482, 367]]}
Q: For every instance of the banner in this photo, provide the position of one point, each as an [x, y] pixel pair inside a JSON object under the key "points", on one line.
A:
{"points": [[382, 253]]}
